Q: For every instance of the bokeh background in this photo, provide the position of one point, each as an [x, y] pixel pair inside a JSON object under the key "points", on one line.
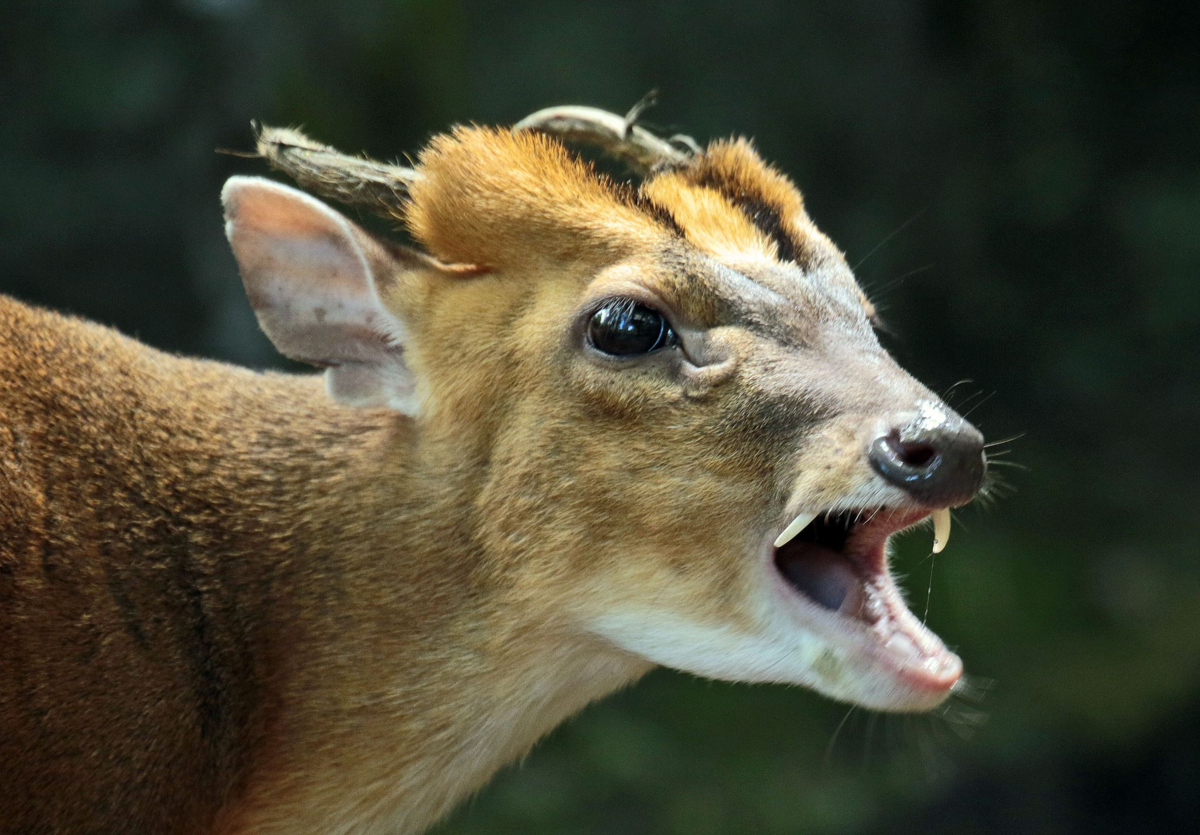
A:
{"points": [[1019, 185]]}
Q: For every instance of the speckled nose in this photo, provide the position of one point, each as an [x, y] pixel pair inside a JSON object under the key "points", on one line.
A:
{"points": [[938, 462]]}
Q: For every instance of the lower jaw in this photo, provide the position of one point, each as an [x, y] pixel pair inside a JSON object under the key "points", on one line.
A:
{"points": [[891, 660], [876, 675], [899, 690]]}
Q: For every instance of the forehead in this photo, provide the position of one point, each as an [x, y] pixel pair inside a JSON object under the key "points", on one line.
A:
{"points": [[744, 248], [721, 235], [707, 290]]}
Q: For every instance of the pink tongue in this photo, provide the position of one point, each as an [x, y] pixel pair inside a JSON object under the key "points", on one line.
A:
{"points": [[824, 575]]}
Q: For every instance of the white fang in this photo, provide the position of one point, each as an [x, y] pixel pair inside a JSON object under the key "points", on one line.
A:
{"points": [[798, 524], [941, 529]]}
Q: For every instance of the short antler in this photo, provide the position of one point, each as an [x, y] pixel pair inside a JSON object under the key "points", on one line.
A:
{"points": [[360, 181], [383, 188], [619, 136]]}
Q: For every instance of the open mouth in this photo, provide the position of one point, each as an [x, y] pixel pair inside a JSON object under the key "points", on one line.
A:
{"points": [[837, 565]]}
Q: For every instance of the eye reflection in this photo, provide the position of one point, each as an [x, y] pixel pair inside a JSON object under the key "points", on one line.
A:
{"points": [[623, 327]]}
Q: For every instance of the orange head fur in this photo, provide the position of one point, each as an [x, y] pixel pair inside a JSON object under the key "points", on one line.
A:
{"points": [[637, 497]]}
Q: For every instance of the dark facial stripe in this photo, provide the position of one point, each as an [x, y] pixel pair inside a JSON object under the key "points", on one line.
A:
{"points": [[766, 218], [661, 214], [764, 215]]}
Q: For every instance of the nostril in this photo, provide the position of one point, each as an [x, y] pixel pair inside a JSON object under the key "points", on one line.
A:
{"points": [[914, 453], [909, 456], [904, 463], [941, 467]]}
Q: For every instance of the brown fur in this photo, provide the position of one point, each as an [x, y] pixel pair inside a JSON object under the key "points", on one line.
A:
{"points": [[228, 604], [479, 185]]}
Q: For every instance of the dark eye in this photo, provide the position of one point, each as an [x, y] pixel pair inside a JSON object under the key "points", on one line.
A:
{"points": [[624, 328]]}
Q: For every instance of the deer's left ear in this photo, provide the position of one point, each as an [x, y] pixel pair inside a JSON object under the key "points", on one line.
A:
{"points": [[315, 280]]}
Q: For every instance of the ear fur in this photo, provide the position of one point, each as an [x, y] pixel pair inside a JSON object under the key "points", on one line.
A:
{"points": [[316, 283]]}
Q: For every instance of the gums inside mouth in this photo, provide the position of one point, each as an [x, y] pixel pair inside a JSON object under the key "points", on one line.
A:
{"points": [[818, 564], [838, 563]]}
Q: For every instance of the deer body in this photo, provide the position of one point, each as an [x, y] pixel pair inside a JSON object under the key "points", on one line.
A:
{"points": [[241, 602], [216, 593]]}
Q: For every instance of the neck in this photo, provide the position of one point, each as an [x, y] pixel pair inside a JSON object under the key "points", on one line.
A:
{"points": [[404, 672], [285, 594]]}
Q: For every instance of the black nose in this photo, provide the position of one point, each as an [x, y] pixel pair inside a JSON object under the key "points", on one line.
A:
{"points": [[939, 466]]}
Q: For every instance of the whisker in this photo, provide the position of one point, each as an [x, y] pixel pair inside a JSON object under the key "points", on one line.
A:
{"points": [[873, 292], [836, 732], [972, 688], [897, 231], [997, 483], [1016, 465], [968, 398], [977, 405], [953, 386]]}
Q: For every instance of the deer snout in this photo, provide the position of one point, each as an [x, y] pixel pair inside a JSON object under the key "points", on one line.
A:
{"points": [[936, 457]]}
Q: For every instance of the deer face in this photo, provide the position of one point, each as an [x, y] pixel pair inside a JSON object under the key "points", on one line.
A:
{"points": [[712, 402], [688, 440]]}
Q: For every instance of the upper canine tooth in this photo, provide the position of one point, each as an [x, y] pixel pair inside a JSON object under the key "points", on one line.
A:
{"points": [[798, 524], [941, 529]]}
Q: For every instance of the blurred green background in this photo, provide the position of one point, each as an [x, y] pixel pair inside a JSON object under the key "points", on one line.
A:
{"points": [[1021, 185]]}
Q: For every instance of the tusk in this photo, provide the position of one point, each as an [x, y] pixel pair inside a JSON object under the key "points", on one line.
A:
{"points": [[941, 529], [798, 524]]}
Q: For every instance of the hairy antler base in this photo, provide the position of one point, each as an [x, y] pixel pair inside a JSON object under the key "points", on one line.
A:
{"points": [[383, 188], [359, 181], [613, 134]]}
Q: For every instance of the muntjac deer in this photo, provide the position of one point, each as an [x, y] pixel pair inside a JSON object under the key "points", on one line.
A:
{"points": [[585, 428]]}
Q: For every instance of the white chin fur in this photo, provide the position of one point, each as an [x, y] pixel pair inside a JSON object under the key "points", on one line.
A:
{"points": [[777, 652]]}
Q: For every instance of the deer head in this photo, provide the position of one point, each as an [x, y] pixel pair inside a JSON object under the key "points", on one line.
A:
{"points": [[661, 406]]}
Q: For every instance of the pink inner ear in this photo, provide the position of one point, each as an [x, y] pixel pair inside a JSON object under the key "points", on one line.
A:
{"points": [[272, 209], [316, 300], [310, 276]]}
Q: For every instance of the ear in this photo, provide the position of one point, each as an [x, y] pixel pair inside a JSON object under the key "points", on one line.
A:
{"points": [[316, 283]]}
